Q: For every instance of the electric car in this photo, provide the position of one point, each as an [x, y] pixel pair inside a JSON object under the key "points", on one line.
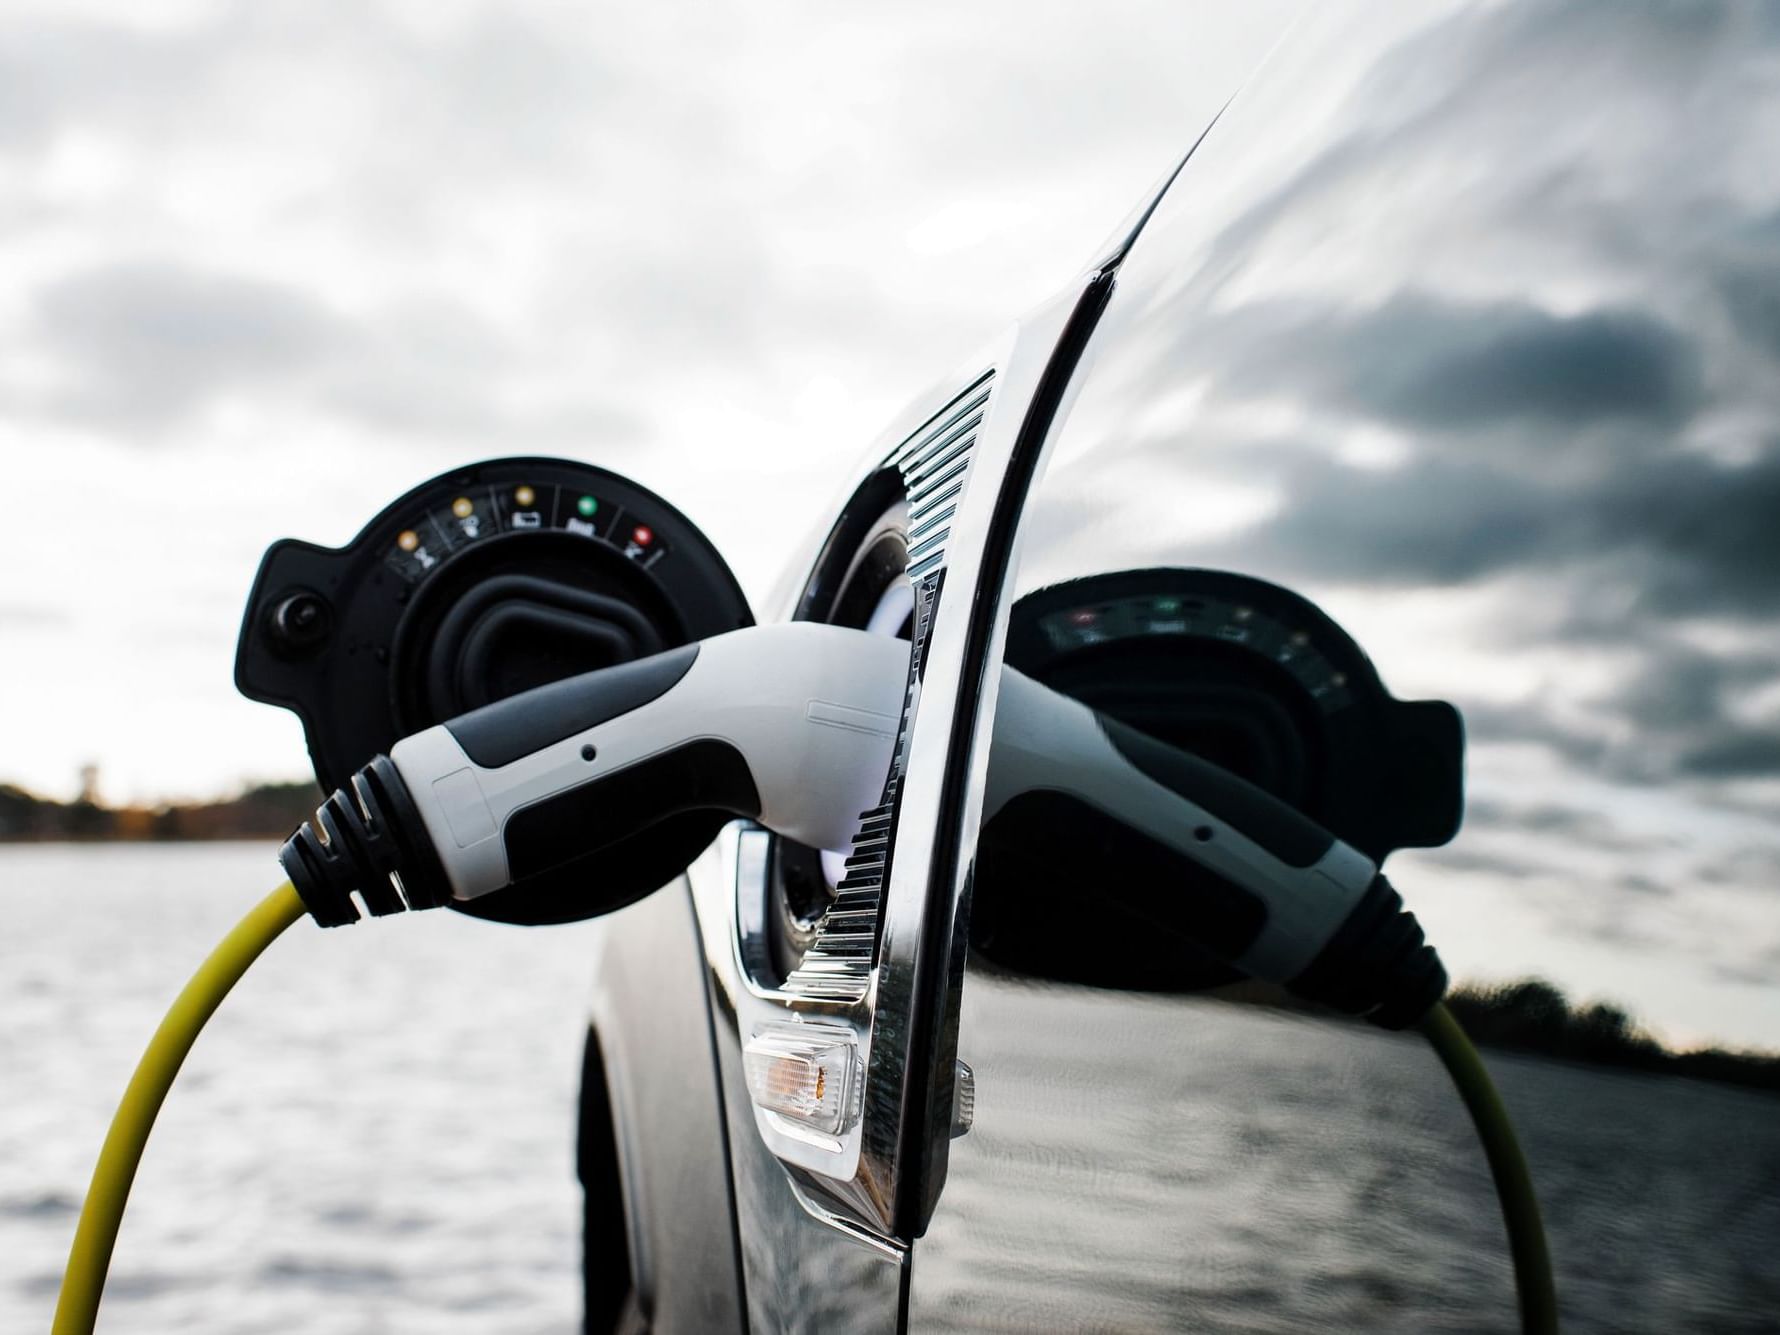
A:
{"points": [[1409, 452]]}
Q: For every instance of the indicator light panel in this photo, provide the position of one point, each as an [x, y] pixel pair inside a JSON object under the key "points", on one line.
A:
{"points": [[807, 1074], [525, 507], [1205, 618]]}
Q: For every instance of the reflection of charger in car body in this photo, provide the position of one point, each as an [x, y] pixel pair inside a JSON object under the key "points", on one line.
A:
{"points": [[1351, 363], [1244, 674]]}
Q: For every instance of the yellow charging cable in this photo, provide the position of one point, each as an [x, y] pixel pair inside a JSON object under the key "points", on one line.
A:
{"points": [[103, 1211], [1533, 1280]]}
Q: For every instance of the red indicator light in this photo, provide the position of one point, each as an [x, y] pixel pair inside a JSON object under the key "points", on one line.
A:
{"points": [[1086, 617], [642, 535]]}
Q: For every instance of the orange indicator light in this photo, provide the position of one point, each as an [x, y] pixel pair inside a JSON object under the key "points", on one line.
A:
{"points": [[524, 495], [807, 1074], [463, 507], [408, 540]]}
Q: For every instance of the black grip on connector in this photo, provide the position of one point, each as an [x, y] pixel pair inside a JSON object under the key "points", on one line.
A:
{"points": [[366, 838], [520, 725], [1378, 964], [704, 775]]}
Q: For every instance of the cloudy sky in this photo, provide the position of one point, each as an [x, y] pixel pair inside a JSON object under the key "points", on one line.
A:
{"points": [[264, 267]]}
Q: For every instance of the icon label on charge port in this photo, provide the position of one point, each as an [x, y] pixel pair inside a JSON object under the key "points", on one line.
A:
{"points": [[409, 541], [527, 519]]}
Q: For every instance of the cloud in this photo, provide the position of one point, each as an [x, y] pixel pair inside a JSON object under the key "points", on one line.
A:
{"points": [[675, 219], [1687, 533], [145, 344], [1678, 687], [1446, 366], [1747, 864], [1426, 363], [1672, 714], [1563, 291], [1734, 753], [1684, 705], [141, 349], [20, 617], [1748, 282], [1710, 530], [54, 73], [504, 85], [1503, 865], [1760, 970], [1573, 823]]}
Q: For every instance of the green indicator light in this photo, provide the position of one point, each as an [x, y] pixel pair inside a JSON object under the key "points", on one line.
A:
{"points": [[587, 505], [1168, 605]]}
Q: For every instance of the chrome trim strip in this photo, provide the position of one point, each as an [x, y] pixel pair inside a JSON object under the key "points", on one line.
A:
{"points": [[954, 452]]}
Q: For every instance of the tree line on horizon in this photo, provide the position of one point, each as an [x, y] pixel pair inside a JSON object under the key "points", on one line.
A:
{"points": [[262, 811], [1534, 1016]]}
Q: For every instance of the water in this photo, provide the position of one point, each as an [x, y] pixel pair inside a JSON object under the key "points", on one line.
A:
{"points": [[375, 1134]]}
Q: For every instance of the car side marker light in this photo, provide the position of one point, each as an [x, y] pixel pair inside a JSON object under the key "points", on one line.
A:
{"points": [[806, 1073]]}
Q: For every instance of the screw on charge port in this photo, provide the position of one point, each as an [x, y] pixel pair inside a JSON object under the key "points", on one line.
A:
{"points": [[301, 621]]}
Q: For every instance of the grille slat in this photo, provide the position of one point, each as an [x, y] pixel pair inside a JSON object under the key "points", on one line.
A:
{"points": [[947, 451], [929, 566], [942, 423], [946, 494], [940, 515]]}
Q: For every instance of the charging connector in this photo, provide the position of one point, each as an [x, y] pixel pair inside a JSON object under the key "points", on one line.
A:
{"points": [[1193, 848], [793, 725]]}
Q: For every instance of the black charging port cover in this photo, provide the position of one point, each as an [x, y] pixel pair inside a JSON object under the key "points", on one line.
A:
{"points": [[476, 585]]}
